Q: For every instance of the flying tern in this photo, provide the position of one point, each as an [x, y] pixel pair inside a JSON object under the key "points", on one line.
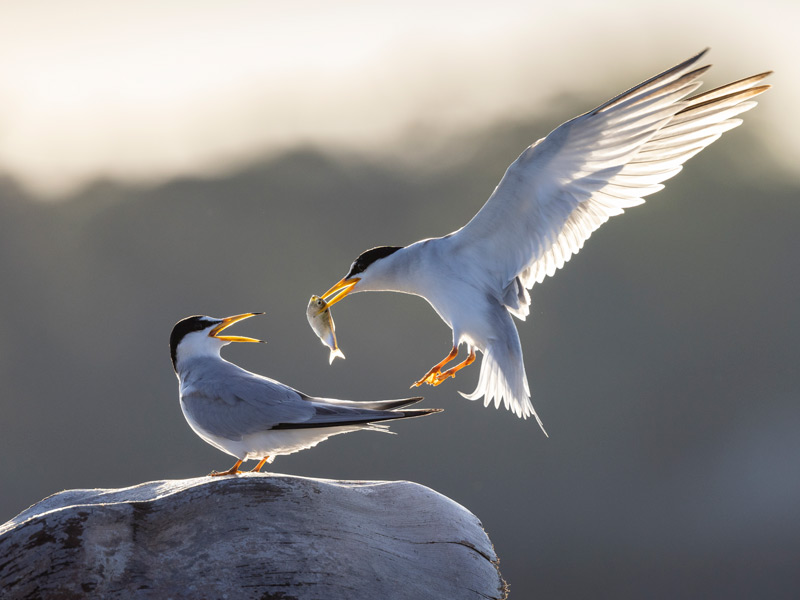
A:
{"points": [[545, 207], [253, 417]]}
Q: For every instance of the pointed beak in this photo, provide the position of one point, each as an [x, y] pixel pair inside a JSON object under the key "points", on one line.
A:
{"points": [[343, 287], [230, 321]]}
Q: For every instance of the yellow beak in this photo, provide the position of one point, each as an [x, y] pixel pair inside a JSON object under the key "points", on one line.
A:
{"points": [[230, 321], [343, 287]]}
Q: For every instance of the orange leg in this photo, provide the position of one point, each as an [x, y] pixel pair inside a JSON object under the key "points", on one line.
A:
{"points": [[440, 377], [234, 470], [430, 376], [257, 468]]}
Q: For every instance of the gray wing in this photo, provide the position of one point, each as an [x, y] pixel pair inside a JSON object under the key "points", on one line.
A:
{"points": [[230, 402], [241, 403], [592, 167], [337, 413]]}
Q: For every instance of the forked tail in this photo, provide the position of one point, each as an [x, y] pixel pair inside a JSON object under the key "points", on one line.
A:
{"points": [[335, 353], [503, 380]]}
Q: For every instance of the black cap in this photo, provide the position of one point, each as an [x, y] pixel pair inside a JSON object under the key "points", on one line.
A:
{"points": [[368, 257], [183, 328]]}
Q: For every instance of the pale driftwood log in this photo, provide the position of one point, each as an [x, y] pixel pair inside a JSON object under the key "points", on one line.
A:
{"points": [[250, 536]]}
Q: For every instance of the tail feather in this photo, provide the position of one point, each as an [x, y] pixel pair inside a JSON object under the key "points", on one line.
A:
{"points": [[503, 380]]}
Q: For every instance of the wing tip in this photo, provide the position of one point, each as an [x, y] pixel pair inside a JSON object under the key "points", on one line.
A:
{"points": [[417, 412], [665, 76], [401, 403]]}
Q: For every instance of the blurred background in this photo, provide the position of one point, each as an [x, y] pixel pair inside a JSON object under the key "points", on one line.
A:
{"points": [[166, 159]]}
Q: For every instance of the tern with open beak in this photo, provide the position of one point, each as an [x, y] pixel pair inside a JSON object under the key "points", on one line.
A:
{"points": [[545, 207], [253, 417]]}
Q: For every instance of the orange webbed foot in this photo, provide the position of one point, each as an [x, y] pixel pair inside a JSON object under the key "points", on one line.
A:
{"points": [[443, 376], [234, 470], [435, 376], [429, 378]]}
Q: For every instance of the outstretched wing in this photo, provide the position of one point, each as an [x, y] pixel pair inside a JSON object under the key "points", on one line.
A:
{"points": [[592, 167]]}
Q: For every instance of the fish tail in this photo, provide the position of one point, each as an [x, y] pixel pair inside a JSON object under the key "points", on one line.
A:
{"points": [[335, 353]]}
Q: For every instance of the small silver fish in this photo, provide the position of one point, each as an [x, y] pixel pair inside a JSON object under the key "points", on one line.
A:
{"points": [[321, 321]]}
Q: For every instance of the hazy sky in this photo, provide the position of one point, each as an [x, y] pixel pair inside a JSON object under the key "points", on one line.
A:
{"points": [[148, 90]]}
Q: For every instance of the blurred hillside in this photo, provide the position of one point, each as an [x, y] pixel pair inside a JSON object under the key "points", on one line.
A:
{"points": [[662, 359]]}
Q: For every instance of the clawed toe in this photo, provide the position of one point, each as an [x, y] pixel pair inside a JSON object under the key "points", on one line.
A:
{"points": [[430, 378], [433, 379], [436, 376], [234, 470]]}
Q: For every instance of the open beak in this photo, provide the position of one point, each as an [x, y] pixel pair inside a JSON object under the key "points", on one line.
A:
{"points": [[230, 321], [344, 287]]}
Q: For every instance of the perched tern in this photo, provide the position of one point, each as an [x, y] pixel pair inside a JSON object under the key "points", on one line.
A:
{"points": [[547, 204], [253, 417]]}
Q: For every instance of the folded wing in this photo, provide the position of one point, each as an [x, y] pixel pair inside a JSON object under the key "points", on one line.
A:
{"points": [[251, 403]]}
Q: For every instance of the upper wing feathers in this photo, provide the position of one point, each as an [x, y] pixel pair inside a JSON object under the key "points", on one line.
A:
{"points": [[230, 402], [238, 402], [594, 166]]}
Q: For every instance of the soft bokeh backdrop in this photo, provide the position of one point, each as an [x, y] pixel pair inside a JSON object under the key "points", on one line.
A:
{"points": [[163, 160]]}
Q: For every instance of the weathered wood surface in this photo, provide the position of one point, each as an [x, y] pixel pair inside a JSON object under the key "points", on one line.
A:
{"points": [[251, 536]]}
